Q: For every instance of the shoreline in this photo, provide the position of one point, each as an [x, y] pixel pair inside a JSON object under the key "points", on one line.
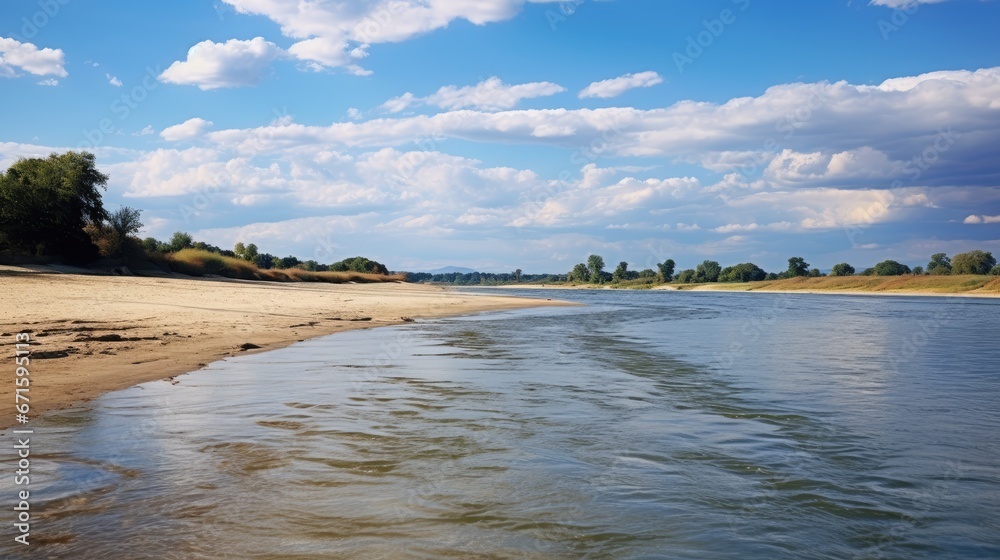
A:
{"points": [[988, 287], [95, 334]]}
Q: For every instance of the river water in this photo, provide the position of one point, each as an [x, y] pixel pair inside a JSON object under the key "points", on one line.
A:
{"points": [[643, 425]]}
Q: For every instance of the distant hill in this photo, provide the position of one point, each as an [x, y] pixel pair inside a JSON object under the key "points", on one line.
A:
{"points": [[450, 269]]}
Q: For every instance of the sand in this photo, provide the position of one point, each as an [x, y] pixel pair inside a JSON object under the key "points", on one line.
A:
{"points": [[93, 334]]}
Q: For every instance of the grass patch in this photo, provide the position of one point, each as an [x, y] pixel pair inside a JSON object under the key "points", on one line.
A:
{"points": [[875, 284], [195, 262]]}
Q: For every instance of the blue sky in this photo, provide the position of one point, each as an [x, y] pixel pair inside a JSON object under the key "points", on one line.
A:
{"points": [[526, 134]]}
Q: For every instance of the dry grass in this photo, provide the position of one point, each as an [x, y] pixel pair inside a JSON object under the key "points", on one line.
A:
{"points": [[975, 284], [195, 262]]}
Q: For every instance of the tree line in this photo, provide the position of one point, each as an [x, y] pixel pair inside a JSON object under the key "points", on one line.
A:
{"points": [[52, 207]]}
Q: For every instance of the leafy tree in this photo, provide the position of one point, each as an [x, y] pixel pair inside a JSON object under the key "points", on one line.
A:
{"points": [[868, 272], [743, 272], [125, 221], [708, 271], [647, 273], [995, 271], [289, 262], [180, 240], [517, 275], [667, 270], [842, 269], [973, 262], [45, 204], [151, 245], [772, 276], [797, 266], [621, 272], [815, 273], [240, 249], [595, 265], [891, 268], [250, 253], [940, 264], [264, 260], [580, 273], [686, 276], [918, 270]]}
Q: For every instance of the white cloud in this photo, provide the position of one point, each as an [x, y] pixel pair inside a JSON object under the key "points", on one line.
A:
{"points": [[489, 95], [15, 55], [51, 82], [113, 80], [191, 128], [981, 219], [617, 86], [146, 130], [732, 228], [234, 63], [337, 33], [903, 3]]}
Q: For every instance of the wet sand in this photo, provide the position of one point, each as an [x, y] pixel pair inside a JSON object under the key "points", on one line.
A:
{"points": [[93, 334]]}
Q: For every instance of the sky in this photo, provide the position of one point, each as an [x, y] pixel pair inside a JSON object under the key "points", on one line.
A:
{"points": [[503, 134]]}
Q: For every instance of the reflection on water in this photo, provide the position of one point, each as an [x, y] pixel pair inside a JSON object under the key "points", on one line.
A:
{"points": [[646, 425]]}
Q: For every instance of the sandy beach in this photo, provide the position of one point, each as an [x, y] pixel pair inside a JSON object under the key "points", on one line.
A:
{"points": [[93, 334]]}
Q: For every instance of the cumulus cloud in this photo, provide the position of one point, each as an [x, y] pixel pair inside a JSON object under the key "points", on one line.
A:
{"points": [[903, 3], [234, 63], [980, 219], [489, 95], [113, 80], [337, 33], [191, 128], [17, 56], [616, 86]]}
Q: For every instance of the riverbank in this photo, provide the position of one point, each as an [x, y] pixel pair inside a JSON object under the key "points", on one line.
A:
{"points": [[966, 285], [94, 334]]}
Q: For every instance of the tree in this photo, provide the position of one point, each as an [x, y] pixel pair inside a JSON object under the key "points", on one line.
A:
{"points": [[842, 269], [940, 264], [151, 245], [45, 204], [918, 270], [621, 272], [289, 262], [250, 253], [708, 271], [647, 273], [686, 276], [666, 270], [815, 273], [180, 240], [891, 268], [743, 272], [125, 221], [973, 262], [517, 275], [995, 271], [797, 266], [580, 273], [240, 249], [595, 265]]}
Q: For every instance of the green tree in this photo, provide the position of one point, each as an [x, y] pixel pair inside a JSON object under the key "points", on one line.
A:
{"points": [[666, 270], [180, 240], [580, 273], [743, 272], [125, 221], [517, 275], [940, 264], [686, 276], [45, 204], [995, 271], [151, 245], [240, 249], [973, 262], [815, 273], [289, 262], [842, 269], [621, 272], [891, 268], [595, 265], [797, 266], [647, 273], [708, 271], [250, 253], [918, 270]]}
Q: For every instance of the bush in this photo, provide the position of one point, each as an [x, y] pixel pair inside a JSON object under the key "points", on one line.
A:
{"points": [[842, 269], [973, 262], [995, 271], [891, 268]]}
